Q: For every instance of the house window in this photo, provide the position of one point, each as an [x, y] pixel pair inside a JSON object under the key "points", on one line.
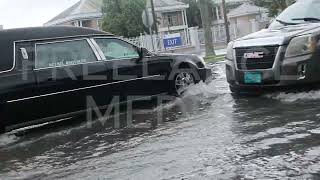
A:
{"points": [[99, 23], [216, 13], [86, 23], [76, 23], [174, 19]]}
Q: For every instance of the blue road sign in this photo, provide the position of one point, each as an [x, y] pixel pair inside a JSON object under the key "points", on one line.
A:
{"points": [[172, 40]]}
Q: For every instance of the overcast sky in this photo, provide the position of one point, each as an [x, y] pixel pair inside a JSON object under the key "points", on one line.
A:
{"points": [[28, 13]]}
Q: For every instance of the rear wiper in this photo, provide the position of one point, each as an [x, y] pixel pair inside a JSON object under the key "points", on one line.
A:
{"points": [[285, 23], [306, 19]]}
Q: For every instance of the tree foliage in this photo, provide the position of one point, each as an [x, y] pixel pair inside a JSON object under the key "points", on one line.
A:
{"points": [[123, 17], [274, 6]]}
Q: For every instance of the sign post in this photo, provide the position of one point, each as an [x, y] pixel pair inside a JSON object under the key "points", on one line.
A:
{"points": [[147, 20]]}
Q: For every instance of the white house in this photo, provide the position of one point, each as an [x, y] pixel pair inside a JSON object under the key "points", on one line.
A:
{"points": [[248, 18], [243, 16], [171, 14], [218, 10], [85, 13]]}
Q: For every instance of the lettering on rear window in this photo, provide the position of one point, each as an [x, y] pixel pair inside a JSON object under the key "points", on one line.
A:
{"points": [[59, 54]]}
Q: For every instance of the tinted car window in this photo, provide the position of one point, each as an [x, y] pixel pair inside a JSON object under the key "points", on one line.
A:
{"points": [[117, 49], [301, 9], [63, 54]]}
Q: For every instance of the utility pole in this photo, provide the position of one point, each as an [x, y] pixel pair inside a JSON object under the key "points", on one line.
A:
{"points": [[149, 25], [154, 18], [226, 22], [206, 23]]}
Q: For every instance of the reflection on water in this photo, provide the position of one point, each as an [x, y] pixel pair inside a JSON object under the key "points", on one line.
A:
{"points": [[208, 134]]}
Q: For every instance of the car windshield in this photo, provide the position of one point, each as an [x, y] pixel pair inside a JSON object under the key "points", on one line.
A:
{"points": [[300, 12]]}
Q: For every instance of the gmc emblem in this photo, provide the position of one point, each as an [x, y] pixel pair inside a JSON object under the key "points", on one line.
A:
{"points": [[253, 55]]}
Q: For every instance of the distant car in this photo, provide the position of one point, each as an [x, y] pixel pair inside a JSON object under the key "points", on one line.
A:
{"points": [[284, 56], [47, 73]]}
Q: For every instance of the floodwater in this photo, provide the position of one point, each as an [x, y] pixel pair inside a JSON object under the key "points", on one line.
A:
{"points": [[207, 135]]}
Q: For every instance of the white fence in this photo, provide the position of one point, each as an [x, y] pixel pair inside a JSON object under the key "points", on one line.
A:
{"points": [[194, 37], [219, 34], [156, 44]]}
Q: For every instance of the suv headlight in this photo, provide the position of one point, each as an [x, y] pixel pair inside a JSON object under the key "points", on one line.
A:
{"points": [[301, 45], [230, 51]]}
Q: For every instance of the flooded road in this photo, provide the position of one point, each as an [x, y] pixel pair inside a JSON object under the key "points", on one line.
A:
{"points": [[276, 136]]}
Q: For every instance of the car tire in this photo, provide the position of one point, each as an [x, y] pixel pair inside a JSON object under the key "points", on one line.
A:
{"points": [[183, 78], [2, 120], [235, 92]]}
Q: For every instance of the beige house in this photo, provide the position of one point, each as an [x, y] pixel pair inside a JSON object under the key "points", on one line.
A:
{"points": [[171, 15], [218, 9], [85, 13], [248, 18], [243, 16]]}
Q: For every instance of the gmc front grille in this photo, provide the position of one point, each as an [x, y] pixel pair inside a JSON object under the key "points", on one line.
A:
{"points": [[246, 57]]}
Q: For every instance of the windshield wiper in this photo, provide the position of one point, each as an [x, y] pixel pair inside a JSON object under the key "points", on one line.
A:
{"points": [[306, 19], [285, 23]]}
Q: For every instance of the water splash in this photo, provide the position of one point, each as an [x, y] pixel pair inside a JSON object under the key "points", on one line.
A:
{"points": [[294, 97], [218, 86], [7, 139]]}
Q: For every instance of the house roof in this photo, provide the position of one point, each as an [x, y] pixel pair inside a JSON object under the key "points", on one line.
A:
{"points": [[163, 5], [246, 9], [88, 9], [80, 10]]}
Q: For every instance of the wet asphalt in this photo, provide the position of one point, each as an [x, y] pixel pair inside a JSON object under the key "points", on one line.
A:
{"points": [[208, 134]]}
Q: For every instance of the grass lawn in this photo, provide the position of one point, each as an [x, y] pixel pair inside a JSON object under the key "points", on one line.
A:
{"points": [[213, 59]]}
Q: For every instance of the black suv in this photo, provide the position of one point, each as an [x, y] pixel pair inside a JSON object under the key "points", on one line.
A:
{"points": [[48, 73], [285, 55]]}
